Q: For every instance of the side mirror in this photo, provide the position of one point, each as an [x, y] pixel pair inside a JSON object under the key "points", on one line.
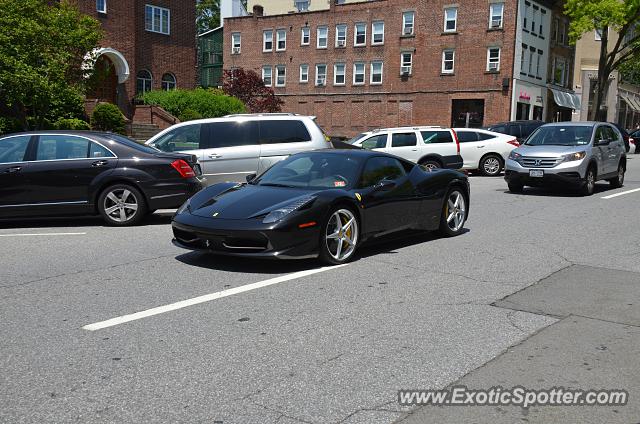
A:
{"points": [[385, 185], [603, 142], [251, 177]]}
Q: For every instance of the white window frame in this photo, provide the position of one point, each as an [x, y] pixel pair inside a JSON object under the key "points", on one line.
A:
{"points": [[408, 24], [162, 11], [374, 33], [279, 33], [284, 75], [446, 19], [264, 74], [236, 36], [297, 5], [326, 37], [355, 72], [304, 30], [318, 65], [404, 64], [344, 73], [444, 61], [168, 85], [492, 14], [302, 73], [490, 61], [265, 41], [540, 55], [363, 25], [371, 74], [104, 6], [343, 37]]}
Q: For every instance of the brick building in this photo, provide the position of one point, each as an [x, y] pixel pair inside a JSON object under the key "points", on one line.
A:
{"points": [[147, 45]]}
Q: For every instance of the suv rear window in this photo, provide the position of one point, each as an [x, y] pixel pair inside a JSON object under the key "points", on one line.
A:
{"points": [[229, 134], [403, 139], [433, 137], [290, 131]]}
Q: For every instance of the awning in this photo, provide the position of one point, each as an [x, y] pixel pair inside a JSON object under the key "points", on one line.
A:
{"points": [[565, 99], [631, 102]]}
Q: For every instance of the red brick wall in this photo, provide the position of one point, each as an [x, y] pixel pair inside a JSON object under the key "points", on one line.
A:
{"points": [[423, 98]]}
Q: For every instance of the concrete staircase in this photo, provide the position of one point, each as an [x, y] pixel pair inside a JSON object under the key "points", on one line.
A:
{"points": [[143, 132]]}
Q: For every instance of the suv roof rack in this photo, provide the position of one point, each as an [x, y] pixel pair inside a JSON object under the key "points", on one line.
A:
{"points": [[234, 115], [415, 128]]}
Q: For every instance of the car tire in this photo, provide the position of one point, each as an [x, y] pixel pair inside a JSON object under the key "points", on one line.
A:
{"points": [[491, 165], [122, 205], [515, 187], [454, 213], [430, 164], [618, 181], [589, 182], [334, 237]]}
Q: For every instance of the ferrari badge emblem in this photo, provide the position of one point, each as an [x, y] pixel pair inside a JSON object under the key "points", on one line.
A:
{"points": [[215, 214], [359, 197]]}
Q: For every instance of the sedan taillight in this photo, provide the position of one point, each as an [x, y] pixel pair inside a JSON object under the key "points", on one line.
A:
{"points": [[514, 142], [632, 141], [183, 168]]}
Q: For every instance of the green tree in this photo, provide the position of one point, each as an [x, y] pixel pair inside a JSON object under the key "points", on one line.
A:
{"points": [[621, 16], [207, 15], [42, 48]]}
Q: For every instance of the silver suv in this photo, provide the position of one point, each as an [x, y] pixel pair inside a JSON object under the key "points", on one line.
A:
{"points": [[232, 147], [573, 153]]}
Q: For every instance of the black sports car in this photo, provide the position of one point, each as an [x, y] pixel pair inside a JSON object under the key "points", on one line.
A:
{"points": [[322, 203], [80, 173]]}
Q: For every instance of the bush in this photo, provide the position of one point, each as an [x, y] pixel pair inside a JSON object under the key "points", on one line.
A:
{"points": [[71, 124], [9, 125], [193, 104], [107, 117]]}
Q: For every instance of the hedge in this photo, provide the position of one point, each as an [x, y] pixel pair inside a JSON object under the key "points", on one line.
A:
{"points": [[194, 104]]}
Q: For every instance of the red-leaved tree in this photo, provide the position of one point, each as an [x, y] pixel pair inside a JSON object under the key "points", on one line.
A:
{"points": [[247, 86]]}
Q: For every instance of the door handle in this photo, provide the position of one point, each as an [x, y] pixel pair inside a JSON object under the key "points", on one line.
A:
{"points": [[214, 156], [480, 147], [13, 169], [99, 163]]}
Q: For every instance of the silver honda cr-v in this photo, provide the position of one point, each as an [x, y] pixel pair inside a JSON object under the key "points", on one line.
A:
{"points": [[572, 153]]}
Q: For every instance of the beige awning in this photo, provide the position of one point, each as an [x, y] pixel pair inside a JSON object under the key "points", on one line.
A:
{"points": [[633, 103], [566, 99]]}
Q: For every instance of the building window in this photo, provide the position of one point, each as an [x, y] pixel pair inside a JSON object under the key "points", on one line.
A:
{"points": [[339, 70], [302, 5], [493, 59], [525, 16], [523, 59], [448, 61], [267, 76], [267, 41], [168, 82], [359, 69], [561, 33], [281, 76], [323, 32], [533, 19], [543, 14], [281, 40], [406, 63], [407, 23], [341, 35], [304, 73], [450, 19], [156, 19], [321, 75], [305, 37], [560, 71], [496, 12], [236, 41], [144, 82], [377, 33], [360, 34], [376, 72], [101, 6], [538, 63], [532, 52]]}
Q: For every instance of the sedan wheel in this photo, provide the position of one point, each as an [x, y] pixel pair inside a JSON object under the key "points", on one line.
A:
{"points": [[340, 237], [490, 166], [454, 213], [122, 205]]}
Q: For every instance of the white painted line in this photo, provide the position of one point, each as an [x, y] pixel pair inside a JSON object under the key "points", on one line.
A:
{"points": [[205, 298], [42, 234], [611, 196]]}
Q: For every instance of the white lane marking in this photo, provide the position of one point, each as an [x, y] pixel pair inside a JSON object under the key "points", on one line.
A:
{"points": [[205, 298], [42, 234], [611, 196]]}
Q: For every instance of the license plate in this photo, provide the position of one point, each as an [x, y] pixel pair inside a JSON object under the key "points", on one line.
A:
{"points": [[536, 173]]}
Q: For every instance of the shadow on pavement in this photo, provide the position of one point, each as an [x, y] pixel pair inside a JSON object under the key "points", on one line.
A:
{"points": [[557, 191], [77, 222]]}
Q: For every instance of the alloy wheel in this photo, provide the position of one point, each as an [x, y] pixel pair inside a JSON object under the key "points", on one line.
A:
{"points": [[491, 166], [121, 205], [591, 181], [620, 175], [455, 211], [341, 234]]}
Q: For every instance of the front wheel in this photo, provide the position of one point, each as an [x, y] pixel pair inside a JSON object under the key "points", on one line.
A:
{"points": [[454, 213], [122, 205], [491, 165], [589, 182], [618, 181], [339, 237]]}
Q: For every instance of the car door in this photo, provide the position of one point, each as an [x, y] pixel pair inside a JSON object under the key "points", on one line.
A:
{"points": [[600, 149], [280, 138], [471, 149], [439, 142], [404, 144], [230, 150], [14, 189], [63, 168], [392, 209], [615, 149], [376, 142]]}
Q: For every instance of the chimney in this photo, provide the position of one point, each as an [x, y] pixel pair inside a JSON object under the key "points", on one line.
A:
{"points": [[258, 10]]}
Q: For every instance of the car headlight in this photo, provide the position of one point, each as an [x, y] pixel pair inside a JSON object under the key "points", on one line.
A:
{"points": [[278, 214], [574, 156], [514, 155], [185, 206]]}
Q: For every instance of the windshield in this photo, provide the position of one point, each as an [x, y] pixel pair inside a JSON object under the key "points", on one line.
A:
{"points": [[313, 171], [570, 135], [356, 138]]}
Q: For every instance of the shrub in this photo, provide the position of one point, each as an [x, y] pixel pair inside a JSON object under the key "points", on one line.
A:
{"points": [[71, 124], [107, 117], [193, 104]]}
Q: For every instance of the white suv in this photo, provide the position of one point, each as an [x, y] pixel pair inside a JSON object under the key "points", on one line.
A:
{"points": [[432, 147], [234, 146]]}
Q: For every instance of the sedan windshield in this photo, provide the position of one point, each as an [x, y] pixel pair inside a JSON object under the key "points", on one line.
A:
{"points": [[313, 171], [356, 138], [569, 135]]}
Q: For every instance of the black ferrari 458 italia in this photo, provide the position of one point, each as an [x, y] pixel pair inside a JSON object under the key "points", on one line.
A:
{"points": [[322, 203]]}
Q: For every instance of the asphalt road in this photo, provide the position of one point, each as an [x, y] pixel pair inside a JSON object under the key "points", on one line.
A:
{"points": [[330, 345]]}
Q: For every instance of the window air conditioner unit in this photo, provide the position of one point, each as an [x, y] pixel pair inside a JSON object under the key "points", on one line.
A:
{"points": [[320, 81], [405, 70], [342, 43], [236, 50], [493, 66], [408, 31]]}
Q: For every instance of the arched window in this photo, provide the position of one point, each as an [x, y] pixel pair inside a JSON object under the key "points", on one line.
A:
{"points": [[144, 81], [168, 82]]}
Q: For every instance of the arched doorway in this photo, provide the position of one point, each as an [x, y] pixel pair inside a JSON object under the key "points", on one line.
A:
{"points": [[103, 83]]}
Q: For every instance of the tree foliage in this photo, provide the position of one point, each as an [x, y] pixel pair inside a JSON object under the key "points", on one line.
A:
{"points": [[248, 86], [194, 104], [621, 16], [207, 15], [42, 48]]}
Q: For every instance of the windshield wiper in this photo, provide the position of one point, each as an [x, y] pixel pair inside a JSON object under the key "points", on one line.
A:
{"points": [[275, 185]]}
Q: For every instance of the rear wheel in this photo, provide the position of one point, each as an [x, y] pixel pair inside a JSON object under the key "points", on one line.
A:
{"points": [[122, 205], [618, 181], [491, 165], [339, 237], [430, 164], [454, 213], [589, 182]]}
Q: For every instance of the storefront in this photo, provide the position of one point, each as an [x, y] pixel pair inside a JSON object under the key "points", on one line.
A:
{"points": [[561, 105], [528, 101], [629, 110]]}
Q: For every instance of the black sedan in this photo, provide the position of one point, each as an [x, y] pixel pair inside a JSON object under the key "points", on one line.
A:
{"points": [[323, 203], [79, 173]]}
